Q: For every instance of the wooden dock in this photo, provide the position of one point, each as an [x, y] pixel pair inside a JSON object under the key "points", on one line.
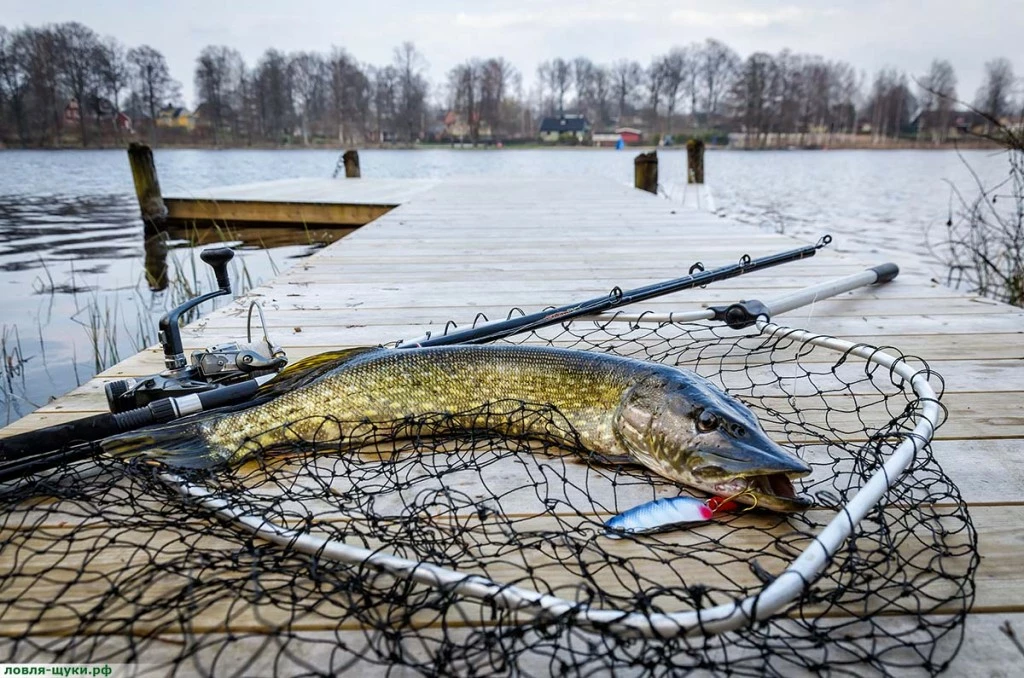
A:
{"points": [[452, 249]]}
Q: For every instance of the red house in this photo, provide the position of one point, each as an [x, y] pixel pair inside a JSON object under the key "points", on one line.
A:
{"points": [[630, 135]]}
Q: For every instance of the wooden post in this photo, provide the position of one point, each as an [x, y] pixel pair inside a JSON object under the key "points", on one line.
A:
{"points": [[695, 161], [645, 172], [351, 160], [147, 186]]}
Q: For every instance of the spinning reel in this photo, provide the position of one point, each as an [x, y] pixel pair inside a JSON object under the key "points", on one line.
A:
{"points": [[210, 368]]}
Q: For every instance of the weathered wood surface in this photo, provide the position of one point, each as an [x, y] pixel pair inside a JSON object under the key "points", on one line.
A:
{"points": [[147, 184], [457, 248], [315, 190], [296, 201], [351, 160]]}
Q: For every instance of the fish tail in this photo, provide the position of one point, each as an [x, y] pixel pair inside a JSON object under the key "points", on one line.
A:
{"points": [[181, 444]]}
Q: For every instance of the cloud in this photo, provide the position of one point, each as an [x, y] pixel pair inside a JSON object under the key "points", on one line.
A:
{"points": [[543, 20], [726, 18]]}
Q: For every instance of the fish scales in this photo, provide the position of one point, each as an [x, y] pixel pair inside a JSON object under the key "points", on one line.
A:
{"points": [[389, 386]]}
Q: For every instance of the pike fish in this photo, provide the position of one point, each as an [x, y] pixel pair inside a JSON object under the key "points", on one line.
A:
{"points": [[620, 410]]}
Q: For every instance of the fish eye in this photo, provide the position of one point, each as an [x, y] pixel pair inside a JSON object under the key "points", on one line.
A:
{"points": [[707, 421]]}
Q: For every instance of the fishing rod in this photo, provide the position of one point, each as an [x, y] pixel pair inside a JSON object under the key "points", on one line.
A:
{"points": [[500, 329], [218, 375]]}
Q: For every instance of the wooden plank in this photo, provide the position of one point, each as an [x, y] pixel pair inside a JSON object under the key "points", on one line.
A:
{"points": [[992, 356], [254, 235], [986, 651], [371, 190], [273, 212]]}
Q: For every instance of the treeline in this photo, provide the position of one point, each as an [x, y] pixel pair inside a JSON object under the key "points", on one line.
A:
{"points": [[63, 81]]}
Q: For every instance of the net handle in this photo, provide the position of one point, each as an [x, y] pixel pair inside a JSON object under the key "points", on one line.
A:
{"points": [[876, 275], [773, 598]]}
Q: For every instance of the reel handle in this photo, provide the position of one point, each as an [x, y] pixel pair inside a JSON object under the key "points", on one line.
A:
{"points": [[218, 259]]}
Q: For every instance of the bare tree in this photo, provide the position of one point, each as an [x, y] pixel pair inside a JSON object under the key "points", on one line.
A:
{"points": [[113, 69], [790, 90], [78, 48], [496, 78], [545, 88], [385, 100], [655, 80], [937, 96], [151, 80], [14, 83], [583, 81], [349, 94], [753, 97], [273, 95], [602, 82], [718, 65], [40, 48], [674, 68], [993, 96], [307, 71], [561, 72], [412, 93], [626, 77], [219, 72], [464, 82], [890, 103]]}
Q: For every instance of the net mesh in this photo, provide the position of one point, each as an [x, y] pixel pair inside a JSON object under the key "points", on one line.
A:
{"points": [[108, 562]]}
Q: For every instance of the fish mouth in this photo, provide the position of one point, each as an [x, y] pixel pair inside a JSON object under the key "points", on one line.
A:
{"points": [[773, 491]]}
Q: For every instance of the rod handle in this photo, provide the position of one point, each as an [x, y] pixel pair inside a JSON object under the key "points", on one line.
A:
{"points": [[886, 272], [58, 436]]}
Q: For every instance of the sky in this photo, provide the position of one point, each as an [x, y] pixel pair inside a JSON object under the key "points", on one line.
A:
{"points": [[870, 34]]}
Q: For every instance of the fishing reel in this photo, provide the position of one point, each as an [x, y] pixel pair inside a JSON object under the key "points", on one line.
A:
{"points": [[210, 368]]}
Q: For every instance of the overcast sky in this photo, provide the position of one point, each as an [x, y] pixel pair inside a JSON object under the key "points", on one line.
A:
{"points": [[869, 34]]}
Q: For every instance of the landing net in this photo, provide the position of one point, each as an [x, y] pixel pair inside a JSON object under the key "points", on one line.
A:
{"points": [[118, 563]]}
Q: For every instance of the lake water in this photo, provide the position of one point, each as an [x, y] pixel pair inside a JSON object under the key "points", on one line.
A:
{"points": [[74, 295]]}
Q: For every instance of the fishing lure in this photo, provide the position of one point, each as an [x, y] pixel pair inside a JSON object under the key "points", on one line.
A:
{"points": [[666, 513]]}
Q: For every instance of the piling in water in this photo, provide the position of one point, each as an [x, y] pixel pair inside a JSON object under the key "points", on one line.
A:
{"points": [[695, 161], [147, 186], [351, 160], [645, 172]]}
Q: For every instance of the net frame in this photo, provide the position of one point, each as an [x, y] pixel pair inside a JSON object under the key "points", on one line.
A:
{"points": [[770, 600]]}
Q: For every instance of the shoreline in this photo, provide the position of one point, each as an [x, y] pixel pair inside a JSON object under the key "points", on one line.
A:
{"points": [[923, 146]]}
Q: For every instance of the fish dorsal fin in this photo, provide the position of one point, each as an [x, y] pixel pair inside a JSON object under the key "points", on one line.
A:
{"points": [[308, 369]]}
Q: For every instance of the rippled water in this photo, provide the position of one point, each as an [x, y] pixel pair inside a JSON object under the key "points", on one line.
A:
{"points": [[72, 248]]}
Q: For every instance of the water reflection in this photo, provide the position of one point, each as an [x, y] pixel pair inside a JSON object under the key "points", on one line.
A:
{"points": [[155, 260]]}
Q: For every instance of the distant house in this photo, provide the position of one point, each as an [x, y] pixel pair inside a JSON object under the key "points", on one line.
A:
{"points": [[123, 121], [606, 140], [630, 135], [72, 111], [174, 116], [457, 127], [97, 109], [949, 124], [571, 127]]}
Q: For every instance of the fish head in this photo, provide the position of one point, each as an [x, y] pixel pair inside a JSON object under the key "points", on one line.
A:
{"points": [[685, 428]]}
